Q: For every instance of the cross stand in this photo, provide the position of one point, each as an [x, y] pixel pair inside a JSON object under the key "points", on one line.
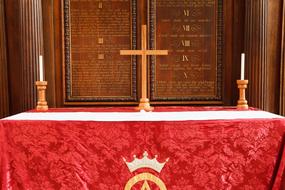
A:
{"points": [[144, 101]]}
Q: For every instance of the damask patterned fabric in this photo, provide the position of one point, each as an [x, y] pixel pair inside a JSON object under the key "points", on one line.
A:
{"points": [[214, 154]]}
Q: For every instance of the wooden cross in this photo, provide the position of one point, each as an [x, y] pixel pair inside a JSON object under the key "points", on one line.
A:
{"points": [[144, 101]]}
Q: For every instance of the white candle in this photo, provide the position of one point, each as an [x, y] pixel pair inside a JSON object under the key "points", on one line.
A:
{"points": [[41, 68], [242, 67]]}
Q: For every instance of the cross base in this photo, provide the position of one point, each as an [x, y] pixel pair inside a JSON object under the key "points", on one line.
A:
{"points": [[243, 107], [42, 107], [144, 105]]}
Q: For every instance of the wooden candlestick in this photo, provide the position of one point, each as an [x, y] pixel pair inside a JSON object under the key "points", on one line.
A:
{"points": [[242, 102], [41, 88]]}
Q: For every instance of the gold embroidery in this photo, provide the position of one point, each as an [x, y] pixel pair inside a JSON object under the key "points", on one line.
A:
{"points": [[145, 186], [145, 177]]}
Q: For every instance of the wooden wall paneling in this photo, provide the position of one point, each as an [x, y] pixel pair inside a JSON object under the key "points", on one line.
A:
{"points": [[181, 77], [58, 51], [4, 98], [256, 51], [282, 66], [32, 47], [237, 46], [25, 44], [245, 19], [274, 36], [94, 71], [228, 50], [234, 15], [262, 45], [49, 50], [13, 55]]}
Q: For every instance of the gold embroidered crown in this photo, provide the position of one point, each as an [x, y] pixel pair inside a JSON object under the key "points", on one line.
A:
{"points": [[145, 162]]}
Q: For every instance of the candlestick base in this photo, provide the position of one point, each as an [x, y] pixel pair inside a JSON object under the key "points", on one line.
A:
{"points": [[144, 105], [242, 102], [41, 103]]}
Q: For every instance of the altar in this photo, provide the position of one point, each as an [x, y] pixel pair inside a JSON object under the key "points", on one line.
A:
{"points": [[117, 148]]}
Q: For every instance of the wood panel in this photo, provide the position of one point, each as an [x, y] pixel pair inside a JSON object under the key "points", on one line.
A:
{"points": [[58, 52], [229, 42], [49, 51], [31, 30], [4, 100], [25, 44], [236, 46], [274, 36], [224, 77], [256, 52], [241, 33], [227, 57], [192, 31], [94, 33], [262, 44], [282, 65], [12, 11]]}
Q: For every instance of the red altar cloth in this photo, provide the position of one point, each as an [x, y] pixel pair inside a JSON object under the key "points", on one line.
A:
{"points": [[212, 154]]}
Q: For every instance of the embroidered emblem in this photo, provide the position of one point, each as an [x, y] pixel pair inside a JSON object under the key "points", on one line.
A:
{"points": [[145, 162]]}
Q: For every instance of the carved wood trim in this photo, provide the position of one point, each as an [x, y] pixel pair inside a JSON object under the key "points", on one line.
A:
{"points": [[67, 61], [31, 44], [4, 98], [256, 51], [220, 55]]}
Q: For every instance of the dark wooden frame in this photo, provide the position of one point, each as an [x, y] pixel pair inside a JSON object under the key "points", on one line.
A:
{"points": [[218, 99], [68, 98]]}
